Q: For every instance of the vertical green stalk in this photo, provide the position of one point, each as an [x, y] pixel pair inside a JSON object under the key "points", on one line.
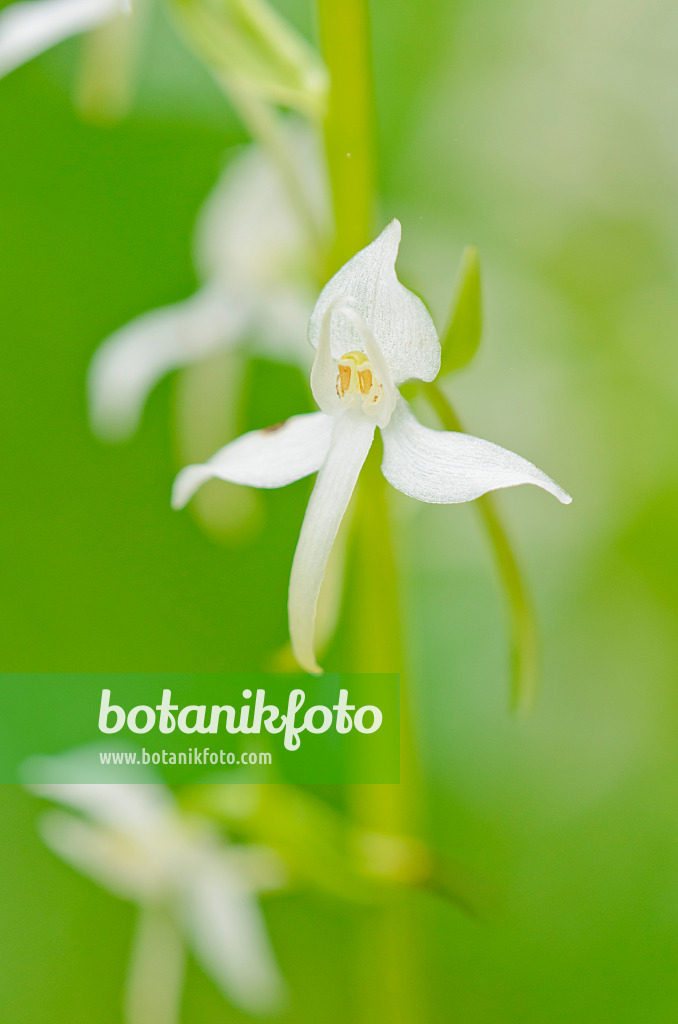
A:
{"points": [[376, 625], [389, 949], [344, 27], [156, 972], [108, 64]]}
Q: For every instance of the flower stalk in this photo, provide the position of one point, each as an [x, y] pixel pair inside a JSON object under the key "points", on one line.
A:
{"points": [[108, 66], [349, 134], [156, 973], [344, 30], [390, 945]]}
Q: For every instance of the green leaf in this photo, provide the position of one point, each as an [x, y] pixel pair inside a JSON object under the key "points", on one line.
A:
{"points": [[522, 622], [461, 337]]}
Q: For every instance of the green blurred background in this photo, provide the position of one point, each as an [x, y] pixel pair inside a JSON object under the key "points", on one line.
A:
{"points": [[545, 134]]}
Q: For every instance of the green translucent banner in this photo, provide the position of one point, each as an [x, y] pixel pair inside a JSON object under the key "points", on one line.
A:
{"points": [[199, 727]]}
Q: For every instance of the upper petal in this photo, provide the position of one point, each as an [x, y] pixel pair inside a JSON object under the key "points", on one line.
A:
{"points": [[126, 367], [443, 466], [272, 457], [351, 441], [398, 319], [31, 26]]}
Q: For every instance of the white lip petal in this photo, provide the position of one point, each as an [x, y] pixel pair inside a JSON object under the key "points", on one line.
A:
{"points": [[351, 440], [398, 319], [447, 467], [126, 367], [272, 457], [229, 938], [32, 26]]}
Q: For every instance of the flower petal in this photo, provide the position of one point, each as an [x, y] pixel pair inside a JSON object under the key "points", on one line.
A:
{"points": [[127, 365], [351, 440], [443, 466], [272, 457], [135, 809], [279, 327], [228, 935], [32, 26], [250, 238], [398, 319], [99, 855]]}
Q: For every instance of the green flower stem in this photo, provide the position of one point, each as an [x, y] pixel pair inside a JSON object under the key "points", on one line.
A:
{"points": [[391, 993], [108, 64], [524, 647], [156, 973], [377, 645], [376, 631], [349, 124], [391, 985]]}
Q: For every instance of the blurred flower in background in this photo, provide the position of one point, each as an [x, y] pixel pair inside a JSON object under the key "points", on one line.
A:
{"points": [[253, 257], [257, 263], [112, 31], [192, 888], [29, 27]]}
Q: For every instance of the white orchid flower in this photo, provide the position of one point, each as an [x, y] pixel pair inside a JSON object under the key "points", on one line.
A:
{"points": [[132, 840], [30, 27], [371, 334], [252, 254]]}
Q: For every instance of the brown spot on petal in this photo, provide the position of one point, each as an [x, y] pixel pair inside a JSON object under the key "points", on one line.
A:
{"points": [[274, 426]]}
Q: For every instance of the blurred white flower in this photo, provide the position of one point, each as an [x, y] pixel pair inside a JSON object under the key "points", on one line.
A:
{"points": [[254, 258], [132, 840], [29, 27], [371, 334]]}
